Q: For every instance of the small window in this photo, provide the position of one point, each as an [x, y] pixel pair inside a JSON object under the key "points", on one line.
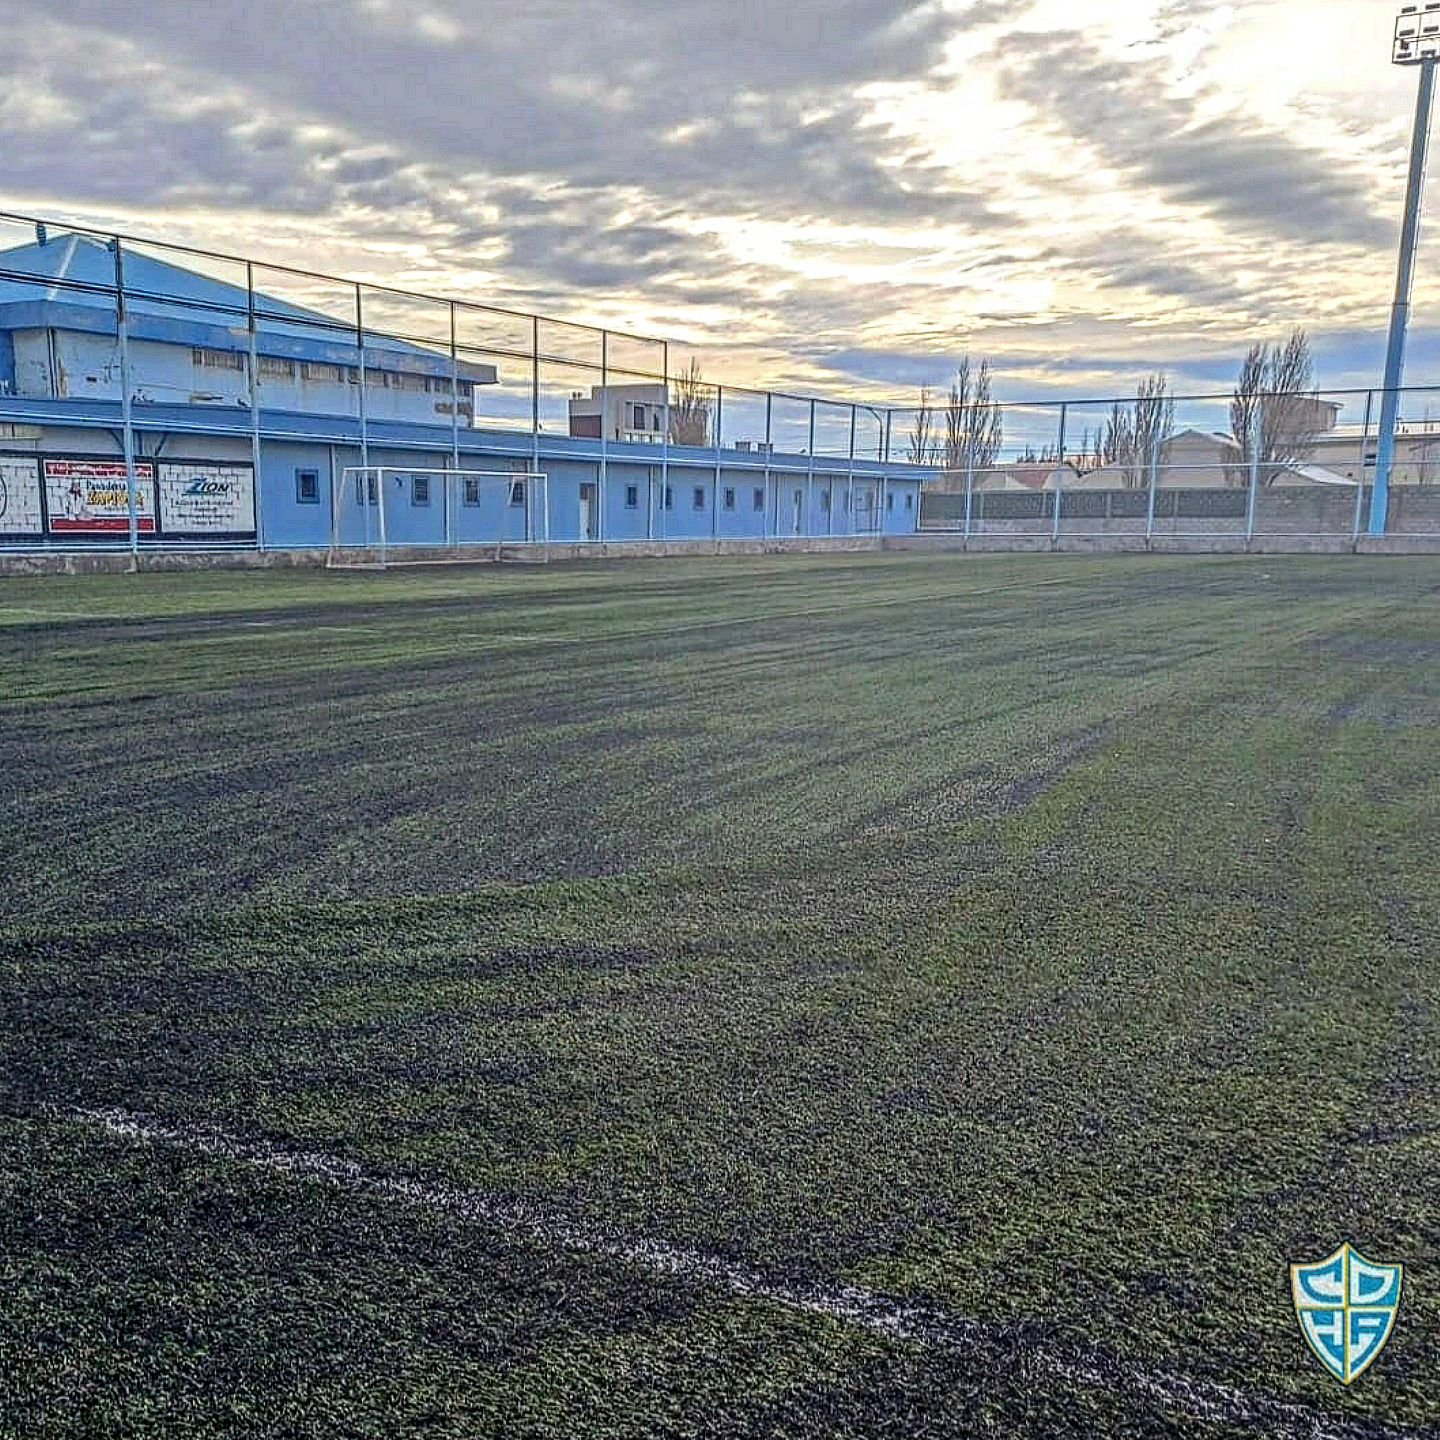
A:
{"points": [[890, 500], [699, 497], [365, 490], [419, 489], [729, 497], [825, 502], [517, 492], [639, 417], [307, 487], [470, 491], [909, 500], [758, 504], [669, 497], [632, 497]]}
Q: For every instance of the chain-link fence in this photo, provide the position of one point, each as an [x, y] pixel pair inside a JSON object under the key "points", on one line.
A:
{"points": [[159, 394]]}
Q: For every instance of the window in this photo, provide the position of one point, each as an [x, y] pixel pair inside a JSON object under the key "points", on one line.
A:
{"points": [[632, 497], [307, 487], [729, 497], [517, 492], [909, 500], [758, 504], [277, 369], [320, 370], [890, 500], [699, 497], [639, 417], [366, 492], [471, 491], [669, 497], [419, 489], [825, 502], [217, 359]]}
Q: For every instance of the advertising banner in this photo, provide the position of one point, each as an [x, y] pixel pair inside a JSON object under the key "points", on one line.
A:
{"points": [[20, 495], [91, 497], [209, 498]]}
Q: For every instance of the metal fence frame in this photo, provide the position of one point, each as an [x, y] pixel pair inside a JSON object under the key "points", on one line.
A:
{"points": [[255, 312]]}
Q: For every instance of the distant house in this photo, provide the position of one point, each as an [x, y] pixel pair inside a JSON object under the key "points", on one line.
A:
{"points": [[1014, 476], [634, 414], [1193, 459], [1417, 453]]}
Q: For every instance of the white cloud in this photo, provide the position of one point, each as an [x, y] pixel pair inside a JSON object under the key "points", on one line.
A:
{"points": [[1061, 183]]}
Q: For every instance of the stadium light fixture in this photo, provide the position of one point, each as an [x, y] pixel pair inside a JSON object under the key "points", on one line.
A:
{"points": [[1417, 42]]}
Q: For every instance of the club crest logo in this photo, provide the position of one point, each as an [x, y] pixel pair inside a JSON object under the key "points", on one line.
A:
{"points": [[1347, 1306]]}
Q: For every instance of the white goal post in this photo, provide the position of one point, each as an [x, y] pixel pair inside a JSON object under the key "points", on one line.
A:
{"points": [[379, 508]]}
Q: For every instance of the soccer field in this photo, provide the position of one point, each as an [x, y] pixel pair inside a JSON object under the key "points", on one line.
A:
{"points": [[834, 996]]}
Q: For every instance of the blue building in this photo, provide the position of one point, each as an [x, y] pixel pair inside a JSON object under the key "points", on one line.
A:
{"points": [[145, 403]]}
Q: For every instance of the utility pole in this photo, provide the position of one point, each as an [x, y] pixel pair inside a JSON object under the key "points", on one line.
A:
{"points": [[1417, 42]]}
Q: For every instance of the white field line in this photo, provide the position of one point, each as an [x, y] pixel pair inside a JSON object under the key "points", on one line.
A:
{"points": [[867, 1310]]}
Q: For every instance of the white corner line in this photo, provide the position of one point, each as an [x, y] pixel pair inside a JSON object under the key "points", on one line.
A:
{"points": [[885, 1316]]}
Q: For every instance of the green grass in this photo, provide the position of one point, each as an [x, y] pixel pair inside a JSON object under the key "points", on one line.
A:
{"points": [[1051, 942]]}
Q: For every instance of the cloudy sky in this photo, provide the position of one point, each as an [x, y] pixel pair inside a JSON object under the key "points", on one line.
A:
{"points": [[843, 194]]}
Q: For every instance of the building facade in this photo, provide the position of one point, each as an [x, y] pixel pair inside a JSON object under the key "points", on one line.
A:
{"points": [[201, 413]]}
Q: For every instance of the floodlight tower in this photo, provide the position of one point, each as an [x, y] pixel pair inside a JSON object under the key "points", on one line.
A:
{"points": [[1417, 42]]}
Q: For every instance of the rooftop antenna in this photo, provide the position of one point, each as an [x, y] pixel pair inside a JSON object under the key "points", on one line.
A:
{"points": [[1417, 42]]}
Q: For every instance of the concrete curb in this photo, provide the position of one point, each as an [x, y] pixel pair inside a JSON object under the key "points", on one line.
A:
{"points": [[103, 562]]}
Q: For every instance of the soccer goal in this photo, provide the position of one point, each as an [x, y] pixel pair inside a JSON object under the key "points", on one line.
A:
{"points": [[391, 512]]}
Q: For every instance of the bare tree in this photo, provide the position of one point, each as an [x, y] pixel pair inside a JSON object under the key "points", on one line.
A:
{"points": [[974, 428], [923, 446], [1136, 434], [690, 408], [1275, 412]]}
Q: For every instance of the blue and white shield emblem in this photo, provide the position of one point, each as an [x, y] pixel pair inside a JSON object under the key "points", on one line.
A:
{"points": [[1347, 1307]]}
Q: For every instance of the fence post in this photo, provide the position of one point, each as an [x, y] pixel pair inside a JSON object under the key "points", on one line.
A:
{"points": [[254, 397], [360, 359], [127, 418], [765, 473], [1364, 463], [454, 423], [650, 519], [849, 477], [1154, 481], [969, 486], [384, 532], [1059, 479], [1253, 440], [602, 482], [534, 399], [809, 475], [715, 495]]}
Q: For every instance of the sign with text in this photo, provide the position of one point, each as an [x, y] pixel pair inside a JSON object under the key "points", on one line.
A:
{"points": [[207, 498], [91, 497], [20, 512]]}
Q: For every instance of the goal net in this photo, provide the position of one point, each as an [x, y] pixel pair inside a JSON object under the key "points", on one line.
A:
{"points": [[390, 511]]}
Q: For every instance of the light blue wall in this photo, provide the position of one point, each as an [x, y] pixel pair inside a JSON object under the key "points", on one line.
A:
{"points": [[87, 421]]}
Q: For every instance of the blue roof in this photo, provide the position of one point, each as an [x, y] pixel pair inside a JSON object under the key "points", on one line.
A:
{"points": [[68, 283]]}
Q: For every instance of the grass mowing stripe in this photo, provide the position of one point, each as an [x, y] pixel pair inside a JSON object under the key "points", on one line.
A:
{"points": [[849, 1305]]}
